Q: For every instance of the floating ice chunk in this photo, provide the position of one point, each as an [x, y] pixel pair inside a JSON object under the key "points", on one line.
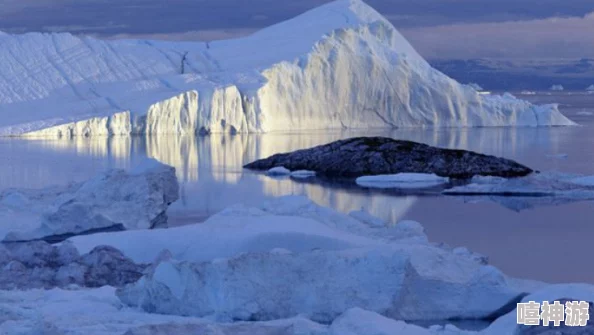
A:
{"points": [[557, 88], [584, 113], [278, 171], [590, 88], [402, 180], [115, 199]]}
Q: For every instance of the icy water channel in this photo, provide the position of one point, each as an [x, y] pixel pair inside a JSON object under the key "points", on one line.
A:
{"points": [[546, 243]]}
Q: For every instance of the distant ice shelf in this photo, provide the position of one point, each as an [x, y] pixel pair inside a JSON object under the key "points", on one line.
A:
{"points": [[341, 65]]}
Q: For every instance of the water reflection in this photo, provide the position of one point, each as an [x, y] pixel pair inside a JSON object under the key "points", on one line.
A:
{"points": [[210, 167]]}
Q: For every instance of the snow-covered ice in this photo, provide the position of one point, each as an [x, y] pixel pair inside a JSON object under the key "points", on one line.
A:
{"points": [[402, 180], [291, 248], [234, 231], [402, 281], [341, 65], [135, 199]]}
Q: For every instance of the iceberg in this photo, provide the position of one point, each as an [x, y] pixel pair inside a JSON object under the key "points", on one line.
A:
{"points": [[557, 88], [590, 88], [341, 65], [114, 200]]}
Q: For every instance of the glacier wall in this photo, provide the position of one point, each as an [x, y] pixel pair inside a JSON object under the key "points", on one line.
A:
{"points": [[341, 65]]}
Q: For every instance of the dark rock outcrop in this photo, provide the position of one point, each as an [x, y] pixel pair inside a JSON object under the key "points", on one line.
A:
{"points": [[40, 265], [362, 156]]}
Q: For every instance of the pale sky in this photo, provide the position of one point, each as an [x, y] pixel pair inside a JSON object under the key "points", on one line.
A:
{"points": [[437, 28]]}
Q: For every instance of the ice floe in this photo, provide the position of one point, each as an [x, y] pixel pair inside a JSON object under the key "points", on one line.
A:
{"points": [[402, 180], [116, 199]]}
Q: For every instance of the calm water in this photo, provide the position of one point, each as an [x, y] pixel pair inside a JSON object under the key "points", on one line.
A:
{"points": [[547, 243]]}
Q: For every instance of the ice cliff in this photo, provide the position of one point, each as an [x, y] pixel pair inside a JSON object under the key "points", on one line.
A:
{"points": [[341, 65]]}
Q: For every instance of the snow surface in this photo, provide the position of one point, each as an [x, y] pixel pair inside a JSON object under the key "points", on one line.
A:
{"points": [[137, 199], [402, 180], [341, 65], [294, 223], [291, 247]]}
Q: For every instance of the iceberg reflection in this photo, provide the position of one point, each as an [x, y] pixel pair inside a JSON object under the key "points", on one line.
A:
{"points": [[210, 167]]}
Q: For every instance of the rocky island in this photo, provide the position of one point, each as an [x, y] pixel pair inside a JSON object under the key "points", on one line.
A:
{"points": [[367, 156]]}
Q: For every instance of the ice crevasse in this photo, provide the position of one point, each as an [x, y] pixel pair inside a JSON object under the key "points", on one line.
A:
{"points": [[341, 65]]}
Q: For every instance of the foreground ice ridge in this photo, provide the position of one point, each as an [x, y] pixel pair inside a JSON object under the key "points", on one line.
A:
{"points": [[232, 264], [341, 65], [116, 200], [292, 257]]}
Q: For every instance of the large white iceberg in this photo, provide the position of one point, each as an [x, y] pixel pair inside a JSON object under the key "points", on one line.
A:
{"points": [[116, 199], [341, 65]]}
